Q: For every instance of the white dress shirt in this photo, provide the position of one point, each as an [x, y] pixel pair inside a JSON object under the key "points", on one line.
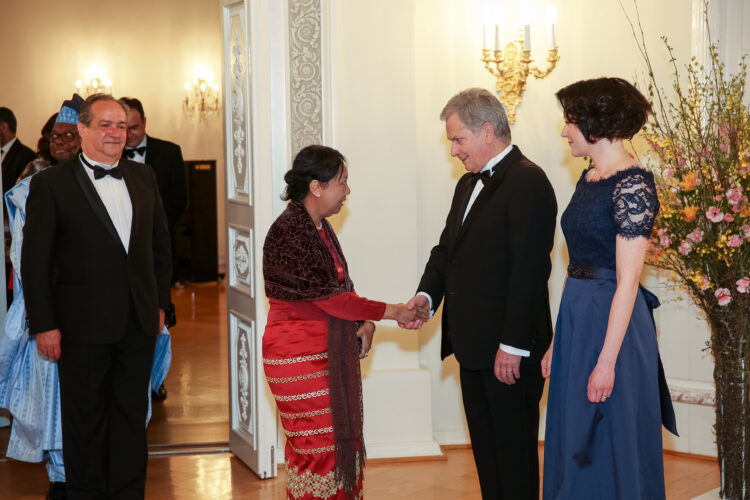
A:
{"points": [[140, 158], [114, 194], [478, 189]]}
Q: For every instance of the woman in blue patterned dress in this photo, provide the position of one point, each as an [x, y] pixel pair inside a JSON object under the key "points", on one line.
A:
{"points": [[607, 395]]}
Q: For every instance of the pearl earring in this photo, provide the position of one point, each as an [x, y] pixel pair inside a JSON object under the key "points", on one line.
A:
{"points": [[318, 195]]}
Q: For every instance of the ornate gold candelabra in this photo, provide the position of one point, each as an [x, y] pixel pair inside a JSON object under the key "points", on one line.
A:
{"points": [[511, 68], [96, 82], [202, 96]]}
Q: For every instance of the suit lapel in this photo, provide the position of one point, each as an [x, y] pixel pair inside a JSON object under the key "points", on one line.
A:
{"points": [[93, 198], [501, 170]]}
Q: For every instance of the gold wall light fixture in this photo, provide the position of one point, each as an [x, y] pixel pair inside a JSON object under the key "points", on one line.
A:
{"points": [[96, 81], [202, 95], [511, 66]]}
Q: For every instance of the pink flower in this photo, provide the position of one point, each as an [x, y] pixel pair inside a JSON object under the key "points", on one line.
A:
{"points": [[665, 241], [667, 172], [734, 195], [743, 285], [736, 209], [724, 146], [734, 241], [681, 161], [717, 197], [746, 230], [705, 283], [714, 214], [728, 217], [685, 247], [696, 236], [723, 296]]}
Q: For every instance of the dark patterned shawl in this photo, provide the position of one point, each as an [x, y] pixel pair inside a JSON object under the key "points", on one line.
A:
{"points": [[297, 266]]}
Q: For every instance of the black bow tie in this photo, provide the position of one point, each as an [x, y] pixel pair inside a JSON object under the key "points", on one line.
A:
{"points": [[484, 176], [130, 152], [100, 172]]}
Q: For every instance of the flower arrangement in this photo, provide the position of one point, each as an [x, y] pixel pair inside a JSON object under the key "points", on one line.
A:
{"points": [[699, 136]]}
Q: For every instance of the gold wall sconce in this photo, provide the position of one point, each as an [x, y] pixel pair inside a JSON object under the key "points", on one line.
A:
{"points": [[96, 82], [202, 95], [511, 66]]}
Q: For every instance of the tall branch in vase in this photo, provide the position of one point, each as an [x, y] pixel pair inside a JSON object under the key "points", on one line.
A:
{"points": [[699, 137]]}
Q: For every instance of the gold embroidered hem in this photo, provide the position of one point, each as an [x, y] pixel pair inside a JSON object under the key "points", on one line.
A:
{"points": [[322, 486]]}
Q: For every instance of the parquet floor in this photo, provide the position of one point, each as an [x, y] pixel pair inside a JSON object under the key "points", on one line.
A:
{"points": [[196, 412]]}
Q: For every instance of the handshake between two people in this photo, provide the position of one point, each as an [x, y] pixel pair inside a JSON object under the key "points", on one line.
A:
{"points": [[411, 315]]}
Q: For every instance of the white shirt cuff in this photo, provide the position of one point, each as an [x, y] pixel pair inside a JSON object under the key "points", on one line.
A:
{"points": [[429, 299], [515, 350]]}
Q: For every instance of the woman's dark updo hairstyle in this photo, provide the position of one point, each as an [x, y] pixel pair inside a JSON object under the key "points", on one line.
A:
{"points": [[604, 108], [312, 163]]}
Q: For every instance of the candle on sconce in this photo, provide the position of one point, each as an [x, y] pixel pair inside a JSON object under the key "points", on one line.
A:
{"points": [[551, 20], [498, 39], [551, 36], [527, 37]]}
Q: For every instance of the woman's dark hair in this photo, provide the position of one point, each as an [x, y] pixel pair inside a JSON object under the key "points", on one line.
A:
{"points": [[312, 163], [42, 145], [604, 108]]}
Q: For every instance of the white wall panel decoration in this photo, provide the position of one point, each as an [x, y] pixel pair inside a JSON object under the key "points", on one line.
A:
{"points": [[241, 271], [243, 358], [237, 125], [305, 62]]}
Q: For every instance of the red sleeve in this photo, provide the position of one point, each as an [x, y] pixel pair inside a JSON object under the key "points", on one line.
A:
{"points": [[352, 307]]}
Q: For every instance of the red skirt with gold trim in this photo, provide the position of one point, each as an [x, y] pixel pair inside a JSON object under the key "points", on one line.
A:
{"points": [[296, 366]]}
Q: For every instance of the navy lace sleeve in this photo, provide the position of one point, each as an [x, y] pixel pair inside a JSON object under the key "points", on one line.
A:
{"points": [[635, 205]]}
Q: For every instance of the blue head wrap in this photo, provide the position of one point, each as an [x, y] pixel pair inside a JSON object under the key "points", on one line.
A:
{"points": [[69, 110]]}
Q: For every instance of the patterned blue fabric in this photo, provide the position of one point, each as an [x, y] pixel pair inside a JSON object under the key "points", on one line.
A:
{"points": [[29, 384], [624, 204]]}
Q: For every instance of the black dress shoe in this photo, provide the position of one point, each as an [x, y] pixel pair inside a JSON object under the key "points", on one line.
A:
{"points": [[57, 491], [161, 394]]}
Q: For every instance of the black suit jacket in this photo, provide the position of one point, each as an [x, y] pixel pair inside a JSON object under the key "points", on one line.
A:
{"points": [[14, 162], [166, 159], [76, 274], [492, 271]]}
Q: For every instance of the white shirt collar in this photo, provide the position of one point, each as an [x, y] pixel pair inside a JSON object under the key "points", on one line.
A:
{"points": [[495, 160], [8, 145], [103, 165]]}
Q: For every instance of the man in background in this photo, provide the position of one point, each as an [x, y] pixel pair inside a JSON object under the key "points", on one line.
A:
{"points": [[14, 155], [166, 159]]}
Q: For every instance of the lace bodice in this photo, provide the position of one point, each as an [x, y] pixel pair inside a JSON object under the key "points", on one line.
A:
{"points": [[624, 204]]}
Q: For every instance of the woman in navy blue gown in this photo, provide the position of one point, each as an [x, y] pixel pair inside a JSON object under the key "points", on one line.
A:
{"points": [[607, 394]]}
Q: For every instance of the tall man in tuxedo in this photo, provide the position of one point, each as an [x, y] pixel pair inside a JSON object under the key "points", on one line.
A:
{"points": [[14, 155], [491, 267], [95, 269], [166, 159]]}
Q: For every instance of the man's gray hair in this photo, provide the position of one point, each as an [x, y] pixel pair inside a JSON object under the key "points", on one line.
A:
{"points": [[475, 107], [85, 116]]}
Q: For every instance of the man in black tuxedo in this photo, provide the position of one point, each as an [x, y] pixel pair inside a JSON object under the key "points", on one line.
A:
{"points": [[491, 267], [95, 269], [166, 159], [14, 155]]}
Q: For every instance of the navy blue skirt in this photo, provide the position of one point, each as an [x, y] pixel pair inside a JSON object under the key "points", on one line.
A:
{"points": [[610, 450]]}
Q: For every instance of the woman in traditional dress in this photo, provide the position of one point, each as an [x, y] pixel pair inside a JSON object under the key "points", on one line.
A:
{"points": [[29, 383], [310, 346], [603, 434]]}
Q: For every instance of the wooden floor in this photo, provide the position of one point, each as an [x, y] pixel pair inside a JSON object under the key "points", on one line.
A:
{"points": [[195, 417]]}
